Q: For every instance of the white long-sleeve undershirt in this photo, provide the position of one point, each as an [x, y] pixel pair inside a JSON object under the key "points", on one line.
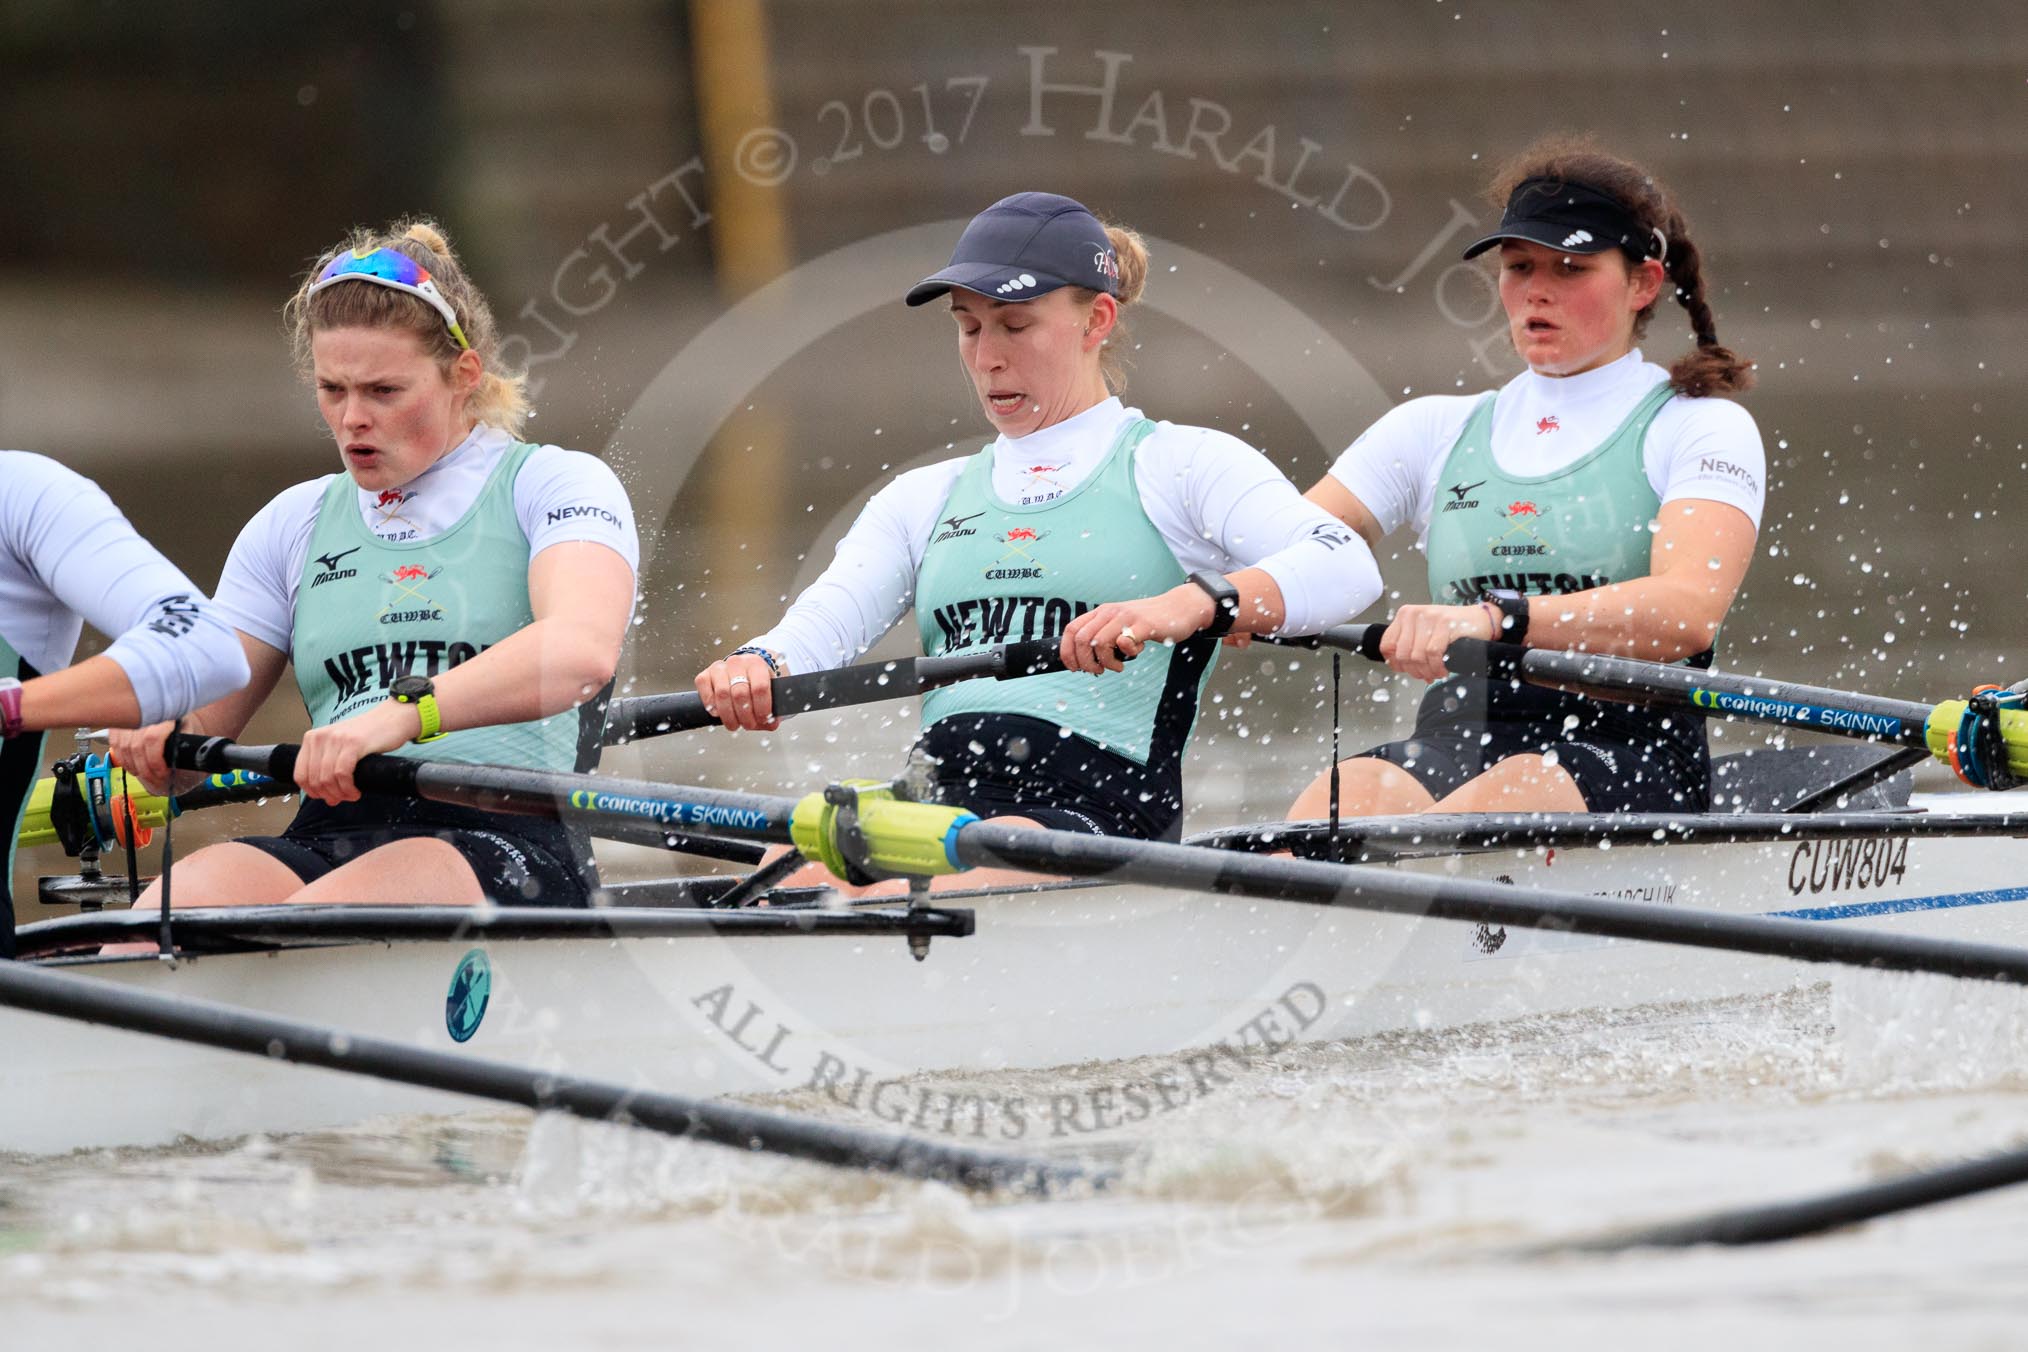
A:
{"points": [[67, 556], [1217, 502], [1695, 448]]}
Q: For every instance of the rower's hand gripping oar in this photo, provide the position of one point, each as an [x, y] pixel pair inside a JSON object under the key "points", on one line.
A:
{"points": [[1983, 739], [871, 682], [867, 683]]}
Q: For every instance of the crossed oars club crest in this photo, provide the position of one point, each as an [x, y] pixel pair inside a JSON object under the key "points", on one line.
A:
{"points": [[407, 581], [1521, 513], [1045, 477], [1019, 541]]}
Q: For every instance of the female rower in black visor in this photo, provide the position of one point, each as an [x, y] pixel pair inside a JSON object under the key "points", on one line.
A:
{"points": [[1596, 502]]}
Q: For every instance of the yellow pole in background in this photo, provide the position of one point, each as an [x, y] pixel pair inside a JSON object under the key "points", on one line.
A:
{"points": [[750, 247], [749, 227]]}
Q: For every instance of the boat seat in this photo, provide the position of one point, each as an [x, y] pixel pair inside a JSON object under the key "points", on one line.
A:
{"points": [[1770, 779]]}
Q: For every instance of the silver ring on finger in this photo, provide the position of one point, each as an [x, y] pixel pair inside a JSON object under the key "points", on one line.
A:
{"points": [[1127, 633], [738, 680]]}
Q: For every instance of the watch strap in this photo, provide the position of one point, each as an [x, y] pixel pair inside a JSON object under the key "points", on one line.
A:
{"points": [[1224, 599], [1513, 608], [432, 719], [426, 711]]}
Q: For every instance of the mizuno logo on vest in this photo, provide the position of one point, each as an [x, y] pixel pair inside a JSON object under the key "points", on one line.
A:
{"points": [[332, 572], [1459, 501], [955, 528], [358, 670], [1004, 619]]}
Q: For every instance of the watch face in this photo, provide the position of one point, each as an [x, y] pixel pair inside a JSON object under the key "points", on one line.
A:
{"points": [[410, 687]]}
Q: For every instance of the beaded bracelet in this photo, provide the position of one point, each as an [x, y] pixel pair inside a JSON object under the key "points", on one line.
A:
{"points": [[774, 664]]}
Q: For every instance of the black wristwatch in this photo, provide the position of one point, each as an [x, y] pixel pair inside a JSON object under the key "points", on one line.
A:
{"points": [[1225, 603], [1513, 608]]}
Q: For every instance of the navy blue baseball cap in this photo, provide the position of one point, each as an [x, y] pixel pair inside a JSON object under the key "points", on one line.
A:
{"points": [[1026, 246], [1574, 218]]}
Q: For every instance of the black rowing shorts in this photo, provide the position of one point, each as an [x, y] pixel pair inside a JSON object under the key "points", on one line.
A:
{"points": [[1624, 758], [1011, 765], [519, 861]]}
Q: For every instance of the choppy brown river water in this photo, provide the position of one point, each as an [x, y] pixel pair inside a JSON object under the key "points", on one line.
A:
{"points": [[1376, 1193]]}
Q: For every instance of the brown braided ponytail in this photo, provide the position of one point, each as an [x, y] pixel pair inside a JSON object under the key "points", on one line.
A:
{"points": [[1710, 367]]}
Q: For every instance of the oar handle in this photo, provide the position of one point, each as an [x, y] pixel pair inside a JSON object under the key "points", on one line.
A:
{"points": [[1363, 639], [216, 755], [654, 715]]}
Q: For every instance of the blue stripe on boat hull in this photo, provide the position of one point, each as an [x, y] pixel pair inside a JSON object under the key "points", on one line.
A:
{"points": [[1901, 904]]}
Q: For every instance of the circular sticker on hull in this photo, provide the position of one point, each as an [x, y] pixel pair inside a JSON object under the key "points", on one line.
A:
{"points": [[471, 987]]}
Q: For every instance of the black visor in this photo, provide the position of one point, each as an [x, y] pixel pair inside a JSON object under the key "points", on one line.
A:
{"points": [[1573, 218]]}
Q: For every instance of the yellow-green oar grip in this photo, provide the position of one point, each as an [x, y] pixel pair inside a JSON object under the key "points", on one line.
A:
{"points": [[1941, 726], [915, 840], [1943, 723], [36, 828]]}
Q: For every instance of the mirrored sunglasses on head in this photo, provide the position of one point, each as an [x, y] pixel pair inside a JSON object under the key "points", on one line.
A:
{"points": [[395, 270]]}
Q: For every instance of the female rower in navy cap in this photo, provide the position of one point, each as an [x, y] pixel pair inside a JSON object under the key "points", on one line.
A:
{"points": [[1595, 502], [1126, 537]]}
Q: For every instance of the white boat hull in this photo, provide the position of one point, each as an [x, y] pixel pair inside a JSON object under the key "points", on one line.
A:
{"points": [[1053, 976]]}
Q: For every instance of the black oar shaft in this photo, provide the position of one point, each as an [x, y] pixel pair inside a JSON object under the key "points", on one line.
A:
{"points": [[534, 793], [1814, 1215], [1363, 639], [1399, 892], [1627, 680], [276, 1038], [868, 683]]}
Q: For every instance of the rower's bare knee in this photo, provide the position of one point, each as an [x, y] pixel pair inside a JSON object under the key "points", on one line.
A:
{"points": [[1517, 784], [1367, 787], [418, 871], [226, 874]]}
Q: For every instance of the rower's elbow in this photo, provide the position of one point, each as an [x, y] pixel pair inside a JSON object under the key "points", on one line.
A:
{"points": [[229, 675], [1687, 632], [592, 672]]}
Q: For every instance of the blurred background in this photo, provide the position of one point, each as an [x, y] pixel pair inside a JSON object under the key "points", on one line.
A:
{"points": [[696, 220]]}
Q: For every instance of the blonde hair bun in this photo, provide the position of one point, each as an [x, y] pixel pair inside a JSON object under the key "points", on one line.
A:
{"points": [[429, 236]]}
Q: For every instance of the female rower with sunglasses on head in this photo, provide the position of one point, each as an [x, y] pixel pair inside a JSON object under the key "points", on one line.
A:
{"points": [[455, 593], [1126, 537], [67, 555], [1596, 502]]}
